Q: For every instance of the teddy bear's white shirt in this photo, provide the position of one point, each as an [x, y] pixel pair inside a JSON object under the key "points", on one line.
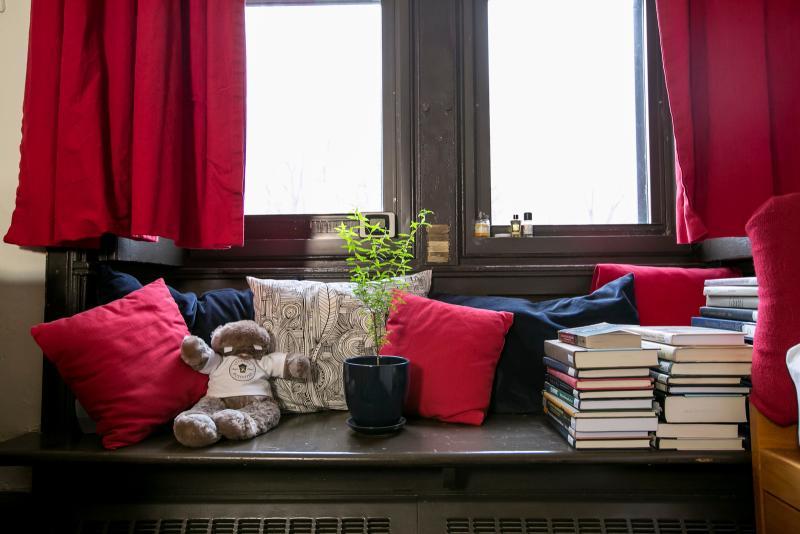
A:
{"points": [[231, 376]]}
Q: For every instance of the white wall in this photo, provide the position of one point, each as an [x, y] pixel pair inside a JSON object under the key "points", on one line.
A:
{"points": [[21, 271]]}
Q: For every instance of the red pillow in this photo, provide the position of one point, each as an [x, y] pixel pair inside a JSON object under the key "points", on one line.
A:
{"points": [[774, 232], [665, 296], [453, 352], [122, 361]]}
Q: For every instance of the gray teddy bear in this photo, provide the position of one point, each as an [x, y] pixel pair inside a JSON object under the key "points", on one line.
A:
{"points": [[239, 403]]}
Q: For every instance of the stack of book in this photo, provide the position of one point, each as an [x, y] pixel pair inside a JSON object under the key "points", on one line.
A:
{"points": [[731, 304], [598, 393], [701, 386]]}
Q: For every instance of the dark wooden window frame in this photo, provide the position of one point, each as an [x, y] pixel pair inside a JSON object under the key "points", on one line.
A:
{"points": [[292, 237], [656, 237]]}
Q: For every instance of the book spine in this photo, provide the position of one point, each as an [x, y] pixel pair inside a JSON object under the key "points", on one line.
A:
{"points": [[750, 303], [749, 329], [745, 281], [555, 364], [665, 367], [563, 385], [721, 324], [735, 314], [732, 291], [563, 395], [570, 339]]}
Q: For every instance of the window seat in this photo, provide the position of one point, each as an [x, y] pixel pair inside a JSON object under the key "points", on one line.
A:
{"points": [[323, 439], [312, 472]]}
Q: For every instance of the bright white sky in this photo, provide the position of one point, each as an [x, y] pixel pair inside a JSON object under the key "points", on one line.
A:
{"points": [[562, 110], [314, 109]]}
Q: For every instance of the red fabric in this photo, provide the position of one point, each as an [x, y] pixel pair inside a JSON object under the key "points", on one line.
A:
{"points": [[774, 232], [453, 352], [732, 79], [122, 361], [133, 123], [665, 296]]}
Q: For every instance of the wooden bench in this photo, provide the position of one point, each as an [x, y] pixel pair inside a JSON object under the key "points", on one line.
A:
{"points": [[312, 474]]}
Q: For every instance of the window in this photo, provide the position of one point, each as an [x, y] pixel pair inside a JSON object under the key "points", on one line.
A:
{"points": [[316, 104], [570, 120]]}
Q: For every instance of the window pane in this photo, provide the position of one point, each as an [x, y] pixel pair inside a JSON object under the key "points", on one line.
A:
{"points": [[314, 109], [563, 111]]}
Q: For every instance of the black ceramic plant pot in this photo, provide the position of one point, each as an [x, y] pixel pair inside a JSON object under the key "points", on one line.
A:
{"points": [[375, 392]]}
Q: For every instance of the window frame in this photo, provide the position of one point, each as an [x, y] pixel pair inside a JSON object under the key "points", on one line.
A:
{"points": [[653, 238], [293, 236]]}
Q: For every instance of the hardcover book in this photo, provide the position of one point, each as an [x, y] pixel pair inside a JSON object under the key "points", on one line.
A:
{"points": [[597, 443], [745, 281], [704, 369], [702, 390], [689, 335], [688, 380], [619, 393], [703, 409], [750, 303], [693, 444], [583, 358], [733, 291], [705, 353], [735, 314], [697, 430], [747, 328], [599, 404], [596, 373], [600, 336]]}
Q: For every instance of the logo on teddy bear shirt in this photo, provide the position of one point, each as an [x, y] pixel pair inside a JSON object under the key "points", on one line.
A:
{"points": [[242, 370]]}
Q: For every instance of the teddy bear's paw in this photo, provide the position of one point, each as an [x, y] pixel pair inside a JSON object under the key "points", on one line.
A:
{"points": [[195, 430], [234, 424]]}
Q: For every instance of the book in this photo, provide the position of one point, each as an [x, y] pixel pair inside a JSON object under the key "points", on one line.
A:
{"points": [[621, 393], [702, 390], [703, 380], [703, 409], [747, 328], [693, 444], [599, 404], [697, 430], [705, 353], [735, 314], [582, 358], [596, 373], [596, 443], [595, 384], [732, 291], [596, 414], [646, 423], [704, 368], [600, 336], [689, 335], [745, 281], [719, 301]]}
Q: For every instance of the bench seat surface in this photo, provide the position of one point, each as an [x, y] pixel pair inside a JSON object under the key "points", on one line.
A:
{"points": [[325, 439]]}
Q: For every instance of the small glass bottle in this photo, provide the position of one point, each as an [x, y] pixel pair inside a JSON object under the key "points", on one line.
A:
{"points": [[483, 226], [527, 224], [516, 227]]}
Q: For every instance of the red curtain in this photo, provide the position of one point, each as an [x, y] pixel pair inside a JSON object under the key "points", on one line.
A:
{"points": [[733, 79], [133, 123]]}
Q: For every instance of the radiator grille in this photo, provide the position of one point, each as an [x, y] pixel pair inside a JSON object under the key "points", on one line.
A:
{"points": [[493, 525], [280, 525]]}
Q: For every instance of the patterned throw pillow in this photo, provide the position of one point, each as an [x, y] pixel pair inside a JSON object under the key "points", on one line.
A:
{"points": [[324, 321]]}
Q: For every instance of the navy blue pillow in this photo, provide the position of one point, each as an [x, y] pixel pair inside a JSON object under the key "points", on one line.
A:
{"points": [[519, 377], [202, 314]]}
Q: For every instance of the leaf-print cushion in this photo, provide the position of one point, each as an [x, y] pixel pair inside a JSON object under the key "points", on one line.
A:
{"points": [[326, 322]]}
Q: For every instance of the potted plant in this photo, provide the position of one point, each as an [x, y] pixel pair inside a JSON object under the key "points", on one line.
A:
{"points": [[375, 386]]}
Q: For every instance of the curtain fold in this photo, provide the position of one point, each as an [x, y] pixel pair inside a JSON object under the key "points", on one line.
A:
{"points": [[733, 75], [133, 123]]}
